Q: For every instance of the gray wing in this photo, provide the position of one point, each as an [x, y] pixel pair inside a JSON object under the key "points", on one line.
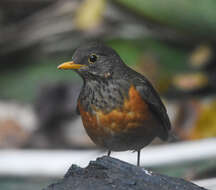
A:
{"points": [[152, 98]]}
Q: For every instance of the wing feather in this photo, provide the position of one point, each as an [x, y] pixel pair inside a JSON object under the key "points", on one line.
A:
{"points": [[152, 98]]}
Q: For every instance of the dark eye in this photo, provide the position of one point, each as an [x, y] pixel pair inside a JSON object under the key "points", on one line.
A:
{"points": [[92, 58]]}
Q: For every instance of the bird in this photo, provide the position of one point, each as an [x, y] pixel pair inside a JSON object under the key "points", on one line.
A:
{"points": [[119, 107]]}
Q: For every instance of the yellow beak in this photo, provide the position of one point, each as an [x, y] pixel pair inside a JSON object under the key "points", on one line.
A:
{"points": [[70, 65]]}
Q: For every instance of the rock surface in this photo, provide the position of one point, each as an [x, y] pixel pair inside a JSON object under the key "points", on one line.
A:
{"points": [[107, 173]]}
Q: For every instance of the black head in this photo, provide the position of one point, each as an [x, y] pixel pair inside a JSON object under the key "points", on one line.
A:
{"points": [[95, 60]]}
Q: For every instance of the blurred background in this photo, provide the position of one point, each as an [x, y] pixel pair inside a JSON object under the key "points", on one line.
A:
{"points": [[172, 42]]}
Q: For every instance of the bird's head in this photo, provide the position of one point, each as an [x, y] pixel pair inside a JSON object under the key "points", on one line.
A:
{"points": [[95, 60]]}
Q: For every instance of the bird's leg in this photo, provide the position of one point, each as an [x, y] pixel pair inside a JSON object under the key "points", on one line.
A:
{"points": [[109, 152], [138, 158]]}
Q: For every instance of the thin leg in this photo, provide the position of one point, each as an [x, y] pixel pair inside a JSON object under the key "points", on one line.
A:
{"points": [[138, 158], [109, 152]]}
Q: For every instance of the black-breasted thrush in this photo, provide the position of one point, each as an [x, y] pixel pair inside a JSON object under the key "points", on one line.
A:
{"points": [[119, 107]]}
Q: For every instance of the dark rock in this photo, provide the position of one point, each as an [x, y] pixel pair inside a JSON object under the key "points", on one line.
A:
{"points": [[107, 173]]}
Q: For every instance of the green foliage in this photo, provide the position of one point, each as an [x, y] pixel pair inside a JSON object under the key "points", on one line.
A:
{"points": [[196, 17], [172, 59], [22, 84]]}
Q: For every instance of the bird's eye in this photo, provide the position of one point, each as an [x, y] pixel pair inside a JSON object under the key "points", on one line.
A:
{"points": [[92, 58]]}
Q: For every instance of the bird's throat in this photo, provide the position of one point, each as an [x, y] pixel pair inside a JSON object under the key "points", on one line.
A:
{"points": [[103, 95]]}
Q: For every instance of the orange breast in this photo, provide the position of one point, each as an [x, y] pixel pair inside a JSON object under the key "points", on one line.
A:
{"points": [[132, 115]]}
